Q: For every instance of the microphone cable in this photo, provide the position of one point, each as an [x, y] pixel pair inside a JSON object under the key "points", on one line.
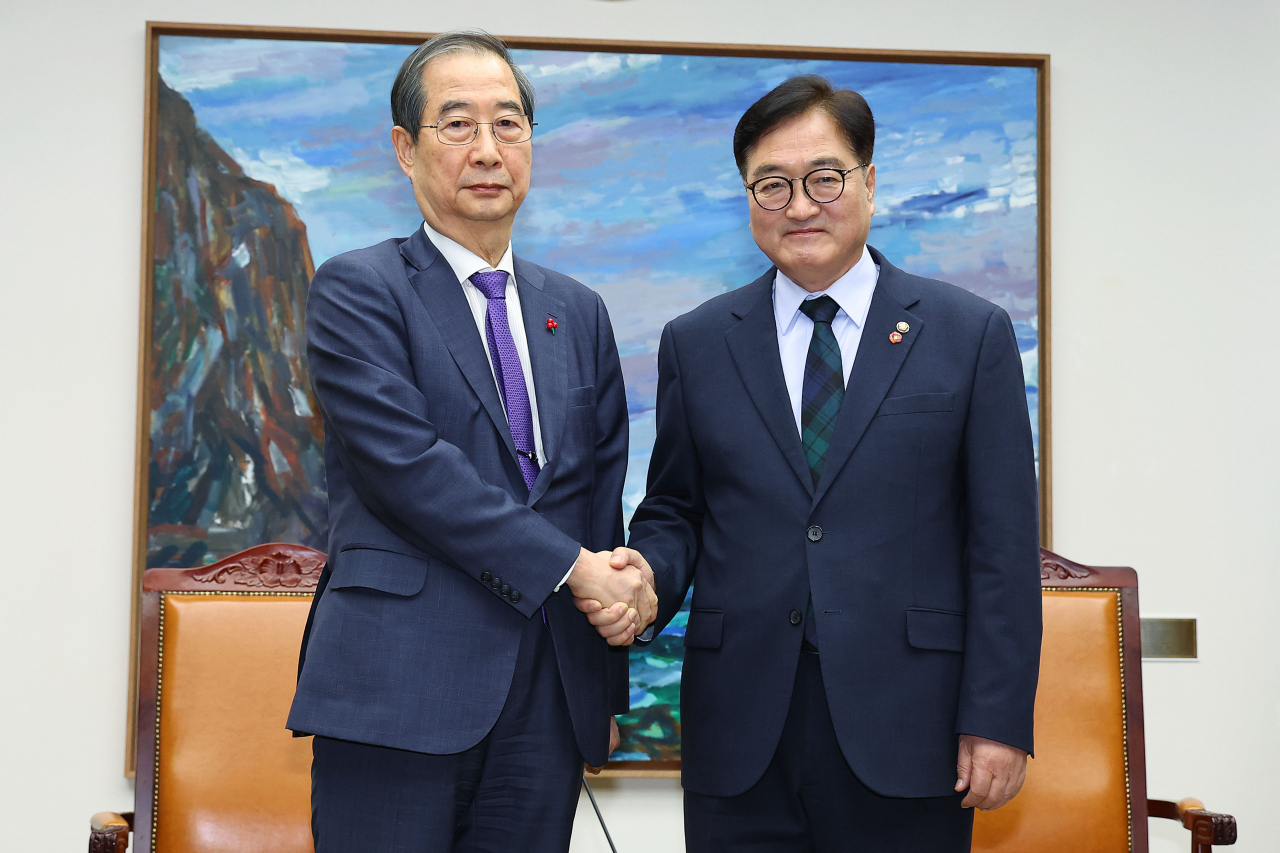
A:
{"points": [[599, 817]]}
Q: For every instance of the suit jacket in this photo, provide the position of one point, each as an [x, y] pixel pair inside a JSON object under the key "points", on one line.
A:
{"points": [[919, 543], [438, 554]]}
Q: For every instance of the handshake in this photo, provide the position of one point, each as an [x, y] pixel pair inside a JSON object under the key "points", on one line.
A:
{"points": [[617, 591]]}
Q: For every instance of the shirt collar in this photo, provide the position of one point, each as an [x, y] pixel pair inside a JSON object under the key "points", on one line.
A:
{"points": [[852, 292], [464, 262]]}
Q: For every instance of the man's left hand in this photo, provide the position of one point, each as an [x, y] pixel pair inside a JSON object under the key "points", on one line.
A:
{"points": [[992, 771]]}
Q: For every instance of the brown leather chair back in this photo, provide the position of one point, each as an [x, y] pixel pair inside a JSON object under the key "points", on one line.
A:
{"points": [[217, 770], [1086, 787]]}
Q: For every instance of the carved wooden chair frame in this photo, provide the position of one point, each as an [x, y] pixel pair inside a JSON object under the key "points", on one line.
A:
{"points": [[294, 569], [274, 569], [1207, 828]]}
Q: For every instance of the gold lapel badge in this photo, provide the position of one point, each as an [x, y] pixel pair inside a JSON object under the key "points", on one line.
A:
{"points": [[903, 327]]}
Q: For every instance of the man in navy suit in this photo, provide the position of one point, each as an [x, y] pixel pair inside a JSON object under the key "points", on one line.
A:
{"points": [[844, 469], [475, 449]]}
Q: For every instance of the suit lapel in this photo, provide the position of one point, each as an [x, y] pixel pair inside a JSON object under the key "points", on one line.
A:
{"points": [[440, 292], [547, 358], [875, 367], [753, 343]]}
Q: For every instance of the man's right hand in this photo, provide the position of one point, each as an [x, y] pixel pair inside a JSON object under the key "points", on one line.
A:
{"points": [[624, 602], [613, 621], [623, 557]]}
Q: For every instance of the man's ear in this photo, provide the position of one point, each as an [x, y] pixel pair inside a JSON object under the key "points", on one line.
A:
{"points": [[871, 187], [406, 149]]}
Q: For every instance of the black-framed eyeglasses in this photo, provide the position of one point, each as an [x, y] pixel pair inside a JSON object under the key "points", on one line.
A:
{"points": [[824, 186], [460, 130]]}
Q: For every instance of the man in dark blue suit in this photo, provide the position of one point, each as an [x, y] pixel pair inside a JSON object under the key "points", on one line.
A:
{"points": [[844, 469], [475, 450]]}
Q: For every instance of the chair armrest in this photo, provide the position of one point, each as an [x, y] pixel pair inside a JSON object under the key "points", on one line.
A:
{"points": [[109, 832], [1207, 828]]}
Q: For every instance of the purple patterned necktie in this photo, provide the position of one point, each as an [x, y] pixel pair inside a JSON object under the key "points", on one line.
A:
{"points": [[507, 370]]}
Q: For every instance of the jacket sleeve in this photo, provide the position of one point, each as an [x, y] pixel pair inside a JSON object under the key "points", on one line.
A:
{"points": [[1002, 642], [667, 526], [611, 439], [612, 434], [423, 488]]}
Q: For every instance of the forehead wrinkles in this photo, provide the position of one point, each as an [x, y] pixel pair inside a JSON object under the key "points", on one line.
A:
{"points": [[802, 161], [462, 76]]}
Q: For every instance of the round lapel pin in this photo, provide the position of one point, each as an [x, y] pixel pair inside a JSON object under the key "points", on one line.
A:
{"points": [[903, 326], [895, 338]]}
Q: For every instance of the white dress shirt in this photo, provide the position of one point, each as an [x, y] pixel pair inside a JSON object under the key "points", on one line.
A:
{"points": [[852, 292], [466, 263]]}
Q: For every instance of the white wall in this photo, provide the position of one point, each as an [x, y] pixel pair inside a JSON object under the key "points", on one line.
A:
{"points": [[1165, 306]]}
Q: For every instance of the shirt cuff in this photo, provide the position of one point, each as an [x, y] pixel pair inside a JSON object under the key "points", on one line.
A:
{"points": [[565, 579]]}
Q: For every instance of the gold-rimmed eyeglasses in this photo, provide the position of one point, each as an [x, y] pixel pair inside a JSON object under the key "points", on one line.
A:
{"points": [[774, 192], [460, 130]]}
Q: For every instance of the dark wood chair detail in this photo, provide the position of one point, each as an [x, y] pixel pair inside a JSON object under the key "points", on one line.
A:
{"points": [[1086, 788], [217, 770]]}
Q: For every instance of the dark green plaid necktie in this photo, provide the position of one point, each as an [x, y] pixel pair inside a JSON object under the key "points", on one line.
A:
{"points": [[823, 388]]}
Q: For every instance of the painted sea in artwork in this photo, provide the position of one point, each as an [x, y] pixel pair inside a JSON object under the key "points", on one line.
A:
{"points": [[274, 156]]}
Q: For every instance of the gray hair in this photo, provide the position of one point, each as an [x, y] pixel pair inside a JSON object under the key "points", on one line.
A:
{"points": [[409, 93]]}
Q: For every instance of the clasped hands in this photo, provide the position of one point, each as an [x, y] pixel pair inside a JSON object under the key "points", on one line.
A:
{"points": [[617, 591]]}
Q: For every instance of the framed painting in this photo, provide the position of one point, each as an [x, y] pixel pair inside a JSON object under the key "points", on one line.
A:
{"points": [[267, 151]]}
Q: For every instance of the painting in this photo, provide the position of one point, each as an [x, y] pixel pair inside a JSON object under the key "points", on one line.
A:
{"points": [[269, 153]]}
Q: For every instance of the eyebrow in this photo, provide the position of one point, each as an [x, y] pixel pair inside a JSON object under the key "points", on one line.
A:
{"points": [[448, 106], [818, 163], [452, 105]]}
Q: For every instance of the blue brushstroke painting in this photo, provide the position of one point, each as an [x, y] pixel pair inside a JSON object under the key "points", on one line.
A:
{"points": [[635, 193]]}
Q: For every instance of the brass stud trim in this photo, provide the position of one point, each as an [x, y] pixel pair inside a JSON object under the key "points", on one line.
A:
{"points": [[155, 769]]}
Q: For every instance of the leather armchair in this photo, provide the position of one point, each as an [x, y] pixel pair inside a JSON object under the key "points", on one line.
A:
{"points": [[1086, 787], [218, 771]]}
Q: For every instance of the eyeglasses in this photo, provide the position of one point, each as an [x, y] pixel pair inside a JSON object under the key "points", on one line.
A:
{"points": [[460, 130], [822, 185]]}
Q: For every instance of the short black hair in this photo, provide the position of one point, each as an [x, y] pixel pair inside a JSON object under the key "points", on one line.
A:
{"points": [[409, 95], [796, 97]]}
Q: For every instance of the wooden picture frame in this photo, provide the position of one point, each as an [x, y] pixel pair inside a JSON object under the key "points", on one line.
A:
{"points": [[151, 391]]}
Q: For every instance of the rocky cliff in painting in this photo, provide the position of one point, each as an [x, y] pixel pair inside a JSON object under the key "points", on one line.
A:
{"points": [[236, 440]]}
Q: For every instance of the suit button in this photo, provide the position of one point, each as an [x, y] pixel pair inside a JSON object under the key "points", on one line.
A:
{"points": [[814, 533], [515, 595], [506, 589], [496, 583], [485, 577], [796, 617]]}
